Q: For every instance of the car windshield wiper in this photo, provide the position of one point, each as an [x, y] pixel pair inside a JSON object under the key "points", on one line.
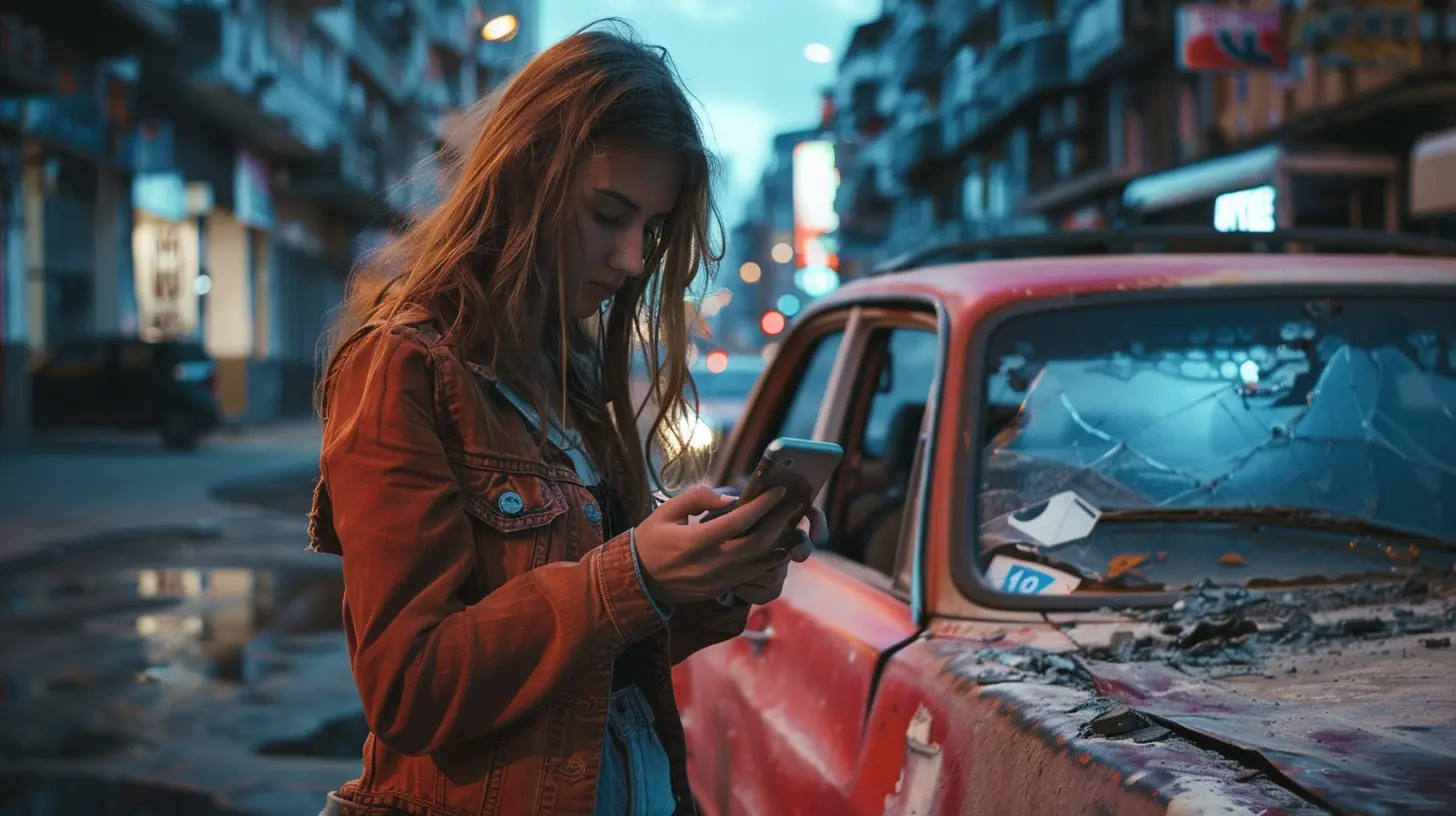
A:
{"points": [[1293, 518]]}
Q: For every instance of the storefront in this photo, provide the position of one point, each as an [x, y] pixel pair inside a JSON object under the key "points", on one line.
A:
{"points": [[238, 258], [309, 263], [1270, 188]]}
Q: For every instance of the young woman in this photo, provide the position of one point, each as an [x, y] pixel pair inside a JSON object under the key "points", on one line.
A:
{"points": [[514, 602]]}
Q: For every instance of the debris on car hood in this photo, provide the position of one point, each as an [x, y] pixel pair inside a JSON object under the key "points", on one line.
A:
{"points": [[1344, 692]]}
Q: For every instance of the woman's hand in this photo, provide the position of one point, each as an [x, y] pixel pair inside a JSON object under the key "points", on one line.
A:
{"points": [[768, 585], [683, 562]]}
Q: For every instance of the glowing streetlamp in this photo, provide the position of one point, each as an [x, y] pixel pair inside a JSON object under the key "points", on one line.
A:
{"points": [[818, 53], [502, 28]]}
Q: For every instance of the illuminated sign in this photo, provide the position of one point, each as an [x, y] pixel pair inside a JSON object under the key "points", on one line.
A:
{"points": [[1249, 210], [165, 265], [816, 180]]}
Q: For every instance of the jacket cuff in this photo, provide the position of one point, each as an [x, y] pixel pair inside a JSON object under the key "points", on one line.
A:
{"points": [[628, 605], [637, 566]]}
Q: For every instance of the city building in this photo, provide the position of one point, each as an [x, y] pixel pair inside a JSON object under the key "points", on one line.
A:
{"points": [[784, 252], [212, 169], [958, 119]]}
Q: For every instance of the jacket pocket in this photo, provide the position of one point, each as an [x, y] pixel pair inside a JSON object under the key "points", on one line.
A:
{"points": [[517, 515]]}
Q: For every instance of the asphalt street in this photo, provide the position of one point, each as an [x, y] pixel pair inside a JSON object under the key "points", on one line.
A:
{"points": [[167, 646]]}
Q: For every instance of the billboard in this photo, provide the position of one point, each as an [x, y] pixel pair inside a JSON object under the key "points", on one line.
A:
{"points": [[816, 180], [1216, 38]]}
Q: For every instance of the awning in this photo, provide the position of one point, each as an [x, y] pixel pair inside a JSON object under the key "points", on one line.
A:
{"points": [[1433, 174], [1252, 168], [1203, 181]]}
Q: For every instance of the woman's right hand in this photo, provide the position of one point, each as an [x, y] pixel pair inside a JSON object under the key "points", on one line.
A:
{"points": [[684, 562]]}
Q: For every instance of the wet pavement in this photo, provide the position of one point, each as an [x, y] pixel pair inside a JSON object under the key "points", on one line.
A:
{"points": [[192, 672]]}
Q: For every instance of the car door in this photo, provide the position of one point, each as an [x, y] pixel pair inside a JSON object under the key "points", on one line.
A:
{"points": [[66, 389], [131, 384], [775, 717]]}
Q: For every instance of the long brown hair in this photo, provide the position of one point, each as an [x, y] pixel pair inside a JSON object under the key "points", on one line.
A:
{"points": [[487, 261]]}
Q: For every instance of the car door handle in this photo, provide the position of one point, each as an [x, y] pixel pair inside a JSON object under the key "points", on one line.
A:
{"points": [[758, 637]]}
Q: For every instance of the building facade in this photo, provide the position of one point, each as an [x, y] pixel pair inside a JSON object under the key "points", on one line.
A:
{"points": [[211, 169], [962, 119]]}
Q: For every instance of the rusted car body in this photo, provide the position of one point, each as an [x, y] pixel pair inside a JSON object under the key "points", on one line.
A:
{"points": [[1221, 652]]}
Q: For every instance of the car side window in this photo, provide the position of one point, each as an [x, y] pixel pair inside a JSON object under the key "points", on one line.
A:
{"points": [[905, 379], [813, 383], [875, 503]]}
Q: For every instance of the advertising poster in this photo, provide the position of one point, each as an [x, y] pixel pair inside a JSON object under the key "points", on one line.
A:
{"points": [[164, 254], [1216, 38]]}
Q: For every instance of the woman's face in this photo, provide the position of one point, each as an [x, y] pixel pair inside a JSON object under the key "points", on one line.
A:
{"points": [[622, 202]]}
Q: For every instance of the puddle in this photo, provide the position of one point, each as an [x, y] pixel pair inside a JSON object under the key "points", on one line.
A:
{"points": [[73, 794], [151, 625], [342, 738]]}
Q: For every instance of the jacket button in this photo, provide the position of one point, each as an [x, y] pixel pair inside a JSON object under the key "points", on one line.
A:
{"points": [[511, 503], [593, 513], [573, 769]]}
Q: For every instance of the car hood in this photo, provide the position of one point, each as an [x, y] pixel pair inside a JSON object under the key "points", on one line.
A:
{"points": [[1356, 710]]}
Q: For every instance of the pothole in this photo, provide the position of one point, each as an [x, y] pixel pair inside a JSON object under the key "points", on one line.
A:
{"points": [[341, 738]]}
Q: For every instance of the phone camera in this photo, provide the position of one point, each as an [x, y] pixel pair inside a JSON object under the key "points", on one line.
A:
{"points": [[788, 463]]}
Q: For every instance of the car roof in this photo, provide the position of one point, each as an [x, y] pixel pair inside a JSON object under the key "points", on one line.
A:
{"points": [[958, 285]]}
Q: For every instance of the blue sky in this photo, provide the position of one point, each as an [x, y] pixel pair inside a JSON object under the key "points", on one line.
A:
{"points": [[742, 59]]}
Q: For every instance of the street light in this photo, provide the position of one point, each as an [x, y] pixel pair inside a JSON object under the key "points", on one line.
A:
{"points": [[818, 52], [500, 29]]}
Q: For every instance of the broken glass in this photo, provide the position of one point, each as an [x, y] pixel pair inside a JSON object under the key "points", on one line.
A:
{"points": [[1345, 406]]}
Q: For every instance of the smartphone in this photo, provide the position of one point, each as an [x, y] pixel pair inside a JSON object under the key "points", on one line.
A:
{"points": [[801, 466]]}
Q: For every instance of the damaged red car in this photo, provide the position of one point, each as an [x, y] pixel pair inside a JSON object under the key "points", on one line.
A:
{"points": [[1126, 533]]}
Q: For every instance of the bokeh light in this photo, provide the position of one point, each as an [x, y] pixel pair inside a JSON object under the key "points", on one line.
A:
{"points": [[772, 322], [782, 252], [717, 361], [750, 272], [789, 305], [500, 29]]}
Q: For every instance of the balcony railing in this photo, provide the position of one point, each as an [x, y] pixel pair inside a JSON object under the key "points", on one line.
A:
{"points": [[919, 59], [309, 113], [220, 48], [1029, 63], [915, 146], [449, 28], [384, 67]]}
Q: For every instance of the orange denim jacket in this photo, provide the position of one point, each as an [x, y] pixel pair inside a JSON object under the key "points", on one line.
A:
{"points": [[482, 608]]}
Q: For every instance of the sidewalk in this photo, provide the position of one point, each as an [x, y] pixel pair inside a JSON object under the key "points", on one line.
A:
{"points": [[75, 486]]}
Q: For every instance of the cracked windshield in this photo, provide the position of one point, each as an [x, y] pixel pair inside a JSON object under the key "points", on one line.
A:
{"points": [[1278, 439]]}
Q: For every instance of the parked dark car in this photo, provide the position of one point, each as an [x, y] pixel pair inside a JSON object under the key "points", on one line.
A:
{"points": [[112, 382]]}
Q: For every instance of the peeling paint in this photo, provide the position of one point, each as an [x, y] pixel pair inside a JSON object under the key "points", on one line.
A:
{"points": [[917, 793]]}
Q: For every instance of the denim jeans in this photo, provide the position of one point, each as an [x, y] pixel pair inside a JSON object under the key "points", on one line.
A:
{"points": [[636, 778]]}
